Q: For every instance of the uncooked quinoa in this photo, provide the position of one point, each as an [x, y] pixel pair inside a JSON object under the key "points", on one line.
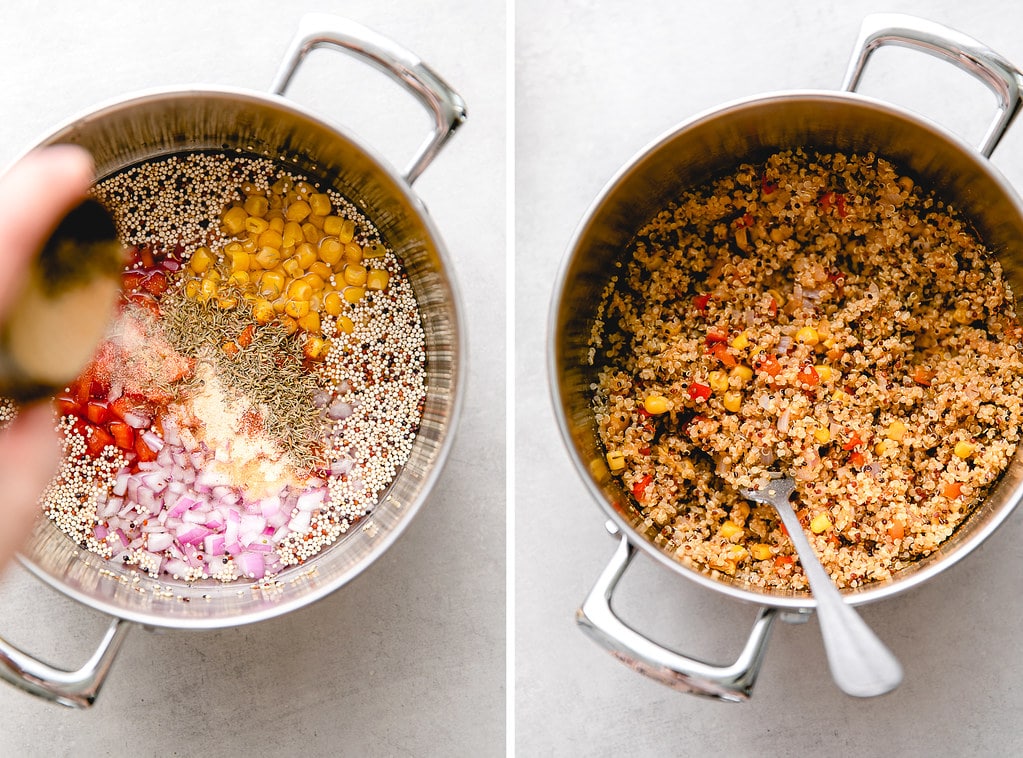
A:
{"points": [[822, 316], [261, 387]]}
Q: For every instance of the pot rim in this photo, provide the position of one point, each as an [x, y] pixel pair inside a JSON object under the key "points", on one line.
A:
{"points": [[872, 592], [458, 382]]}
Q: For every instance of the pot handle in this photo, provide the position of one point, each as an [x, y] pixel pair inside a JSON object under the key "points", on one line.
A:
{"points": [[732, 683], [75, 689], [1004, 79], [445, 105]]}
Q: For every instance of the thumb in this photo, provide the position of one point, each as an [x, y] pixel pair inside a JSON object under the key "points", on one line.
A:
{"points": [[28, 458]]}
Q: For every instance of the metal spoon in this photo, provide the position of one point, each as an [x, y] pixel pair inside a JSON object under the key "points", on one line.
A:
{"points": [[860, 663]]}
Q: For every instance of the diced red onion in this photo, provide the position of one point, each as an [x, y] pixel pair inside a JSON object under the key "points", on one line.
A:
{"points": [[310, 501], [121, 482], [259, 546], [270, 506], [300, 522], [251, 528], [215, 520], [339, 410], [183, 504], [136, 420], [341, 466], [213, 544], [153, 441], [99, 532], [250, 565], [176, 567], [146, 499], [192, 534], [121, 536]]}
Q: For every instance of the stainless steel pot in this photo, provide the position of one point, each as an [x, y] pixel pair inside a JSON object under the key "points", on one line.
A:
{"points": [[709, 146], [160, 123]]}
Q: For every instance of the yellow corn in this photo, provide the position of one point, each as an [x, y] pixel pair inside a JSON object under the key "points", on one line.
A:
{"points": [[263, 311], [808, 336], [293, 268], [741, 341], [820, 523], [207, 288], [233, 220], [732, 401], [824, 373], [731, 531], [201, 260], [332, 225], [227, 302], [332, 303], [268, 257], [312, 233], [656, 404], [377, 279], [304, 189], [276, 221], [884, 446], [310, 322], [298, 211], [760, 551], [331, 250], [321, 270], [822, 434], [841, 396], [346, 325], [777, 297], [352, 253], [256, 225], [964, 449], [896, 431], [353, 294], [718, 381], [239, 279], [347, 232], [192, 289], [299, 289], [615, 460], [270, 238], [271, 284], [743, 372], [319, 204], [374, 250], [256, 205], [355, 274], [315, 282], [315, 348], [289, 324], [292, 234], [296, 308]]}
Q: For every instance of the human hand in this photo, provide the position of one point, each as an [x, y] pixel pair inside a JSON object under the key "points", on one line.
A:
{"points": [[35, 194]]}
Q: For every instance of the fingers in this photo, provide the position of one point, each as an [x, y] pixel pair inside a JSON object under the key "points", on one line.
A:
{"points": [[28, 458], [35, 194]]}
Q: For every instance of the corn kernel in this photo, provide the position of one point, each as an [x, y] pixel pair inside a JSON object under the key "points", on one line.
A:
{"points": [[615, 460], [256, 205], [299, 289], [312, 233], [353, 294], [777, 297], [822, 434], [377, 279], [271, 238], [238, 260], [298, 211], [820, 523], [322, 270], [207, 288], [332, 225], [333, 304], [293, 268], [276, 221], [741, 341], [268, 257], [347, 232], [345, 324], [201, 260], [760, 551], [316, 221], [319, 204], [896, 431], [374, 250], [352, 253], [278, 305], [271, 284], [841, 396], [718, 381], [962, 315], [731, 531], [310, 322], [192, 289], [233, 220], [249, 244], [808, 336], [289, 324], [331, 250], [732, 401], [355, 274], [292, 234], [296, 308], [742, 372], [227, 302], [263, 311], [239, 279], [824, 373], [964, 449], [256, 225], [315, 348], [884, 446], [656, 404]]}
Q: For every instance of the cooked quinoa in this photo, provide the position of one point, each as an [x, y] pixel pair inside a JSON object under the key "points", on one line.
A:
{"points": [[822, 316]]}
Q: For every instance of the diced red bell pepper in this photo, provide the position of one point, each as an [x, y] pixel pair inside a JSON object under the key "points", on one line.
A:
{"points": [[66, 406], [720, 351], [145, 301], [640, 486], [808, 376], [699, 391], [155, 284], [853, 442], [714, 338], [124, 435], [766, 185], [768, 363], [700, 302], [856, 459], [142, 450], [97, 412], [131, 280], [96, 439], [783, 560], [922, 376]]}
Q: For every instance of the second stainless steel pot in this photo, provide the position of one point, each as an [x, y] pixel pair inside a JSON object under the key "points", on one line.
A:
{"points": [[709, 146]]}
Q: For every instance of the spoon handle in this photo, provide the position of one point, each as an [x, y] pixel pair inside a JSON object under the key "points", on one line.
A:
{"points": [[860, 663]]}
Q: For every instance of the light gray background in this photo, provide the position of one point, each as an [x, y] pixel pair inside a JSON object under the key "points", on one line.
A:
{"points": [[596, 81], [409, 659]]}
